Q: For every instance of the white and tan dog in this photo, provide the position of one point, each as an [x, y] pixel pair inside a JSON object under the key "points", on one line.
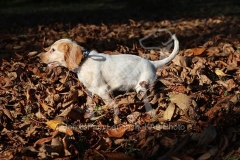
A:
{"points": [[101, 73]]}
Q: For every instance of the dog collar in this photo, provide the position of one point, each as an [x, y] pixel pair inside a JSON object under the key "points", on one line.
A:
{"points": [[85, 54]]}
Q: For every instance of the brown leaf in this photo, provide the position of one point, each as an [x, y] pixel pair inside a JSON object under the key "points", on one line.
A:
{"points": [[45, 106], [213, 51], [229, 84], [195, 51], [181, 100], [181, 89], [222, 146], [7, 113], [116, 119], [66, 111], [119, 131], [64, 129], [19, 56], [168, 113], [152, 57], [117, 156], [168, 141], [94, 154], [223, 105], [180, 61], [207, 136], [33, 53], [133, 117], [80, 39], [12, 75], [40, 115], [125, 99], [178, 155], [120, 141], [20, 139], [204, 80], [210, 153], [44, 140], [35, 70], [31, 130]]}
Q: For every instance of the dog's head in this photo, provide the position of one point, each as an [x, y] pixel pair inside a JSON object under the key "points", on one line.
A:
{"points": [[63, 52]]}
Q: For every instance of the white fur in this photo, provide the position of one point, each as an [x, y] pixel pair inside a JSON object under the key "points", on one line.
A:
{"points": [[101, 73]]}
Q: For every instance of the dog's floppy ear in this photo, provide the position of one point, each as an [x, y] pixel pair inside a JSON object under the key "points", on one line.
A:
{"points": [[72, 54]]}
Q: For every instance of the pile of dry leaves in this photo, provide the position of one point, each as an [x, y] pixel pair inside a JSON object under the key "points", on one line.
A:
{"points": [[44, 112]]}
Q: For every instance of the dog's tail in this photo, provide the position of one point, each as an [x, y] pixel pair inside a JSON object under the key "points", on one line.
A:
{"points": [[164, 61]]}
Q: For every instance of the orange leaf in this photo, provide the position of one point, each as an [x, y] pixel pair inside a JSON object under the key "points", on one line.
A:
{"points": [[195, 51], [119, 132]]}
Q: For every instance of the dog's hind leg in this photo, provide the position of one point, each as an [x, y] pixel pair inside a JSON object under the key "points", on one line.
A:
{"points": [[141, 89]]}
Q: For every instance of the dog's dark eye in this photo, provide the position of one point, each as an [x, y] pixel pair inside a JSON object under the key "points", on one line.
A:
{"points": [[53, 49]]}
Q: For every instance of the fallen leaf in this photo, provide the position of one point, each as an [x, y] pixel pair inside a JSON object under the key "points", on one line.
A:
{"points": [[117, 156], [168, 113], [33, 53], [204, 80], [44, 140], [168, 141], [64, 129], [229, 84], [119, 131], [8, 114], [54, 123], [222, 146], [180, 61], [195, 51], [181, 100], [179, 155], [220, 73], [132, 118], [210, 153], [45, 106], [17, 47], [204, 138]]}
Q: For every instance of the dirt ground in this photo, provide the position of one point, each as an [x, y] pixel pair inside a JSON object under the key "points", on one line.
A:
{"points": [[196, 98]]}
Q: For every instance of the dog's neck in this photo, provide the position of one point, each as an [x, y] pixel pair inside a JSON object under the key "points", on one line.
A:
{"points": [[85, 55]]}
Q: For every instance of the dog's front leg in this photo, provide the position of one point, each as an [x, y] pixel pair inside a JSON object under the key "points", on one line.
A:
{"points": [[89, 106], [109, 102]]}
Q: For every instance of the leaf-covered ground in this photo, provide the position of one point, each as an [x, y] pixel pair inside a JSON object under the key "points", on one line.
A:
{"points": [[196, 98]]}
